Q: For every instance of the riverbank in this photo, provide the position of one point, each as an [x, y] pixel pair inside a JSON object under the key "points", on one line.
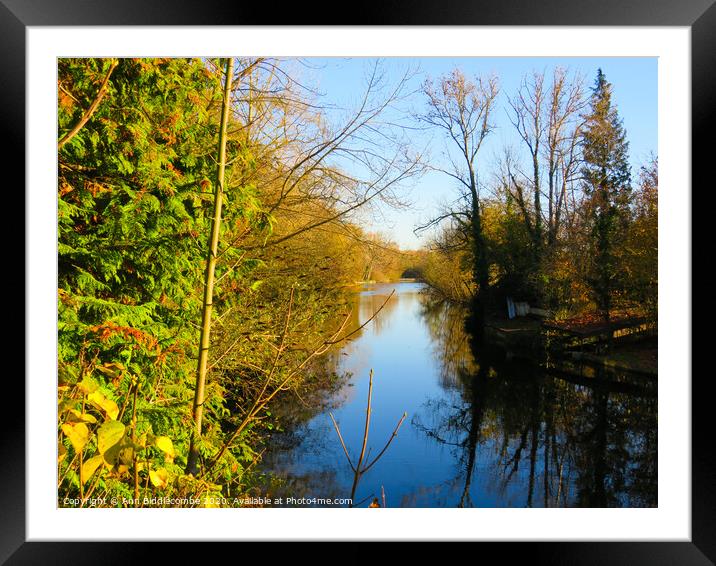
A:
{"points": [[637, 357], [531, 338]]}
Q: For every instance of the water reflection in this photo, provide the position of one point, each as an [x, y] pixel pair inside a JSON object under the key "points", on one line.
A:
{"points": [[542, 438], [483, 431]]}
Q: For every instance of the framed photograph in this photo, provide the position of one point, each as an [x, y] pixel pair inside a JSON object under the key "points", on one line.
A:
{"points": [[282, 274]]}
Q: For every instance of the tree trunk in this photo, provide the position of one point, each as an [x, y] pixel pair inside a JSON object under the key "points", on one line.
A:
{"points": [[204, 339], [480, 269], [537, 201]]}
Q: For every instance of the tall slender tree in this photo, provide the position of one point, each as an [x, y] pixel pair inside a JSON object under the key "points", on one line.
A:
{"points": [[205, 335], [607, 185], [546, 116], [462, 108]]}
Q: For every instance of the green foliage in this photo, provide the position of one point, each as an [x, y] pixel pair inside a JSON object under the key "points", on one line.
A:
{"points": [[128, 227], [133, 216]]}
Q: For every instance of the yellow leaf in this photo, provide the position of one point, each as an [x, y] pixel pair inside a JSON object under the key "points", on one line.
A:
{"points": [[76, 416], [164, 443], [89, 467], [77, 433], [159, 477], [88, 385], [97, 398], [107, 405], [111, 408], [109, 437], [61, 452]]}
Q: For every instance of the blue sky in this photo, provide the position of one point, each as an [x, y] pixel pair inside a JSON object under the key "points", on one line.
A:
{"points": [[342, 81]]}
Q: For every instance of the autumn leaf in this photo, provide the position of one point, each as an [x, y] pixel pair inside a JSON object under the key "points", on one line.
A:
{"points": [[109, 436], [107, 405], [164, 443], [78, 434], [90, 466], [159, 478]]}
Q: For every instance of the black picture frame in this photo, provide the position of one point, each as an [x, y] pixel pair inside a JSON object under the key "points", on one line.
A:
{"points": [[699, 15]]}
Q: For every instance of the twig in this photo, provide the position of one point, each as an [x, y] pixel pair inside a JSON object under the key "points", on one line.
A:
{"points": [[395, 433], [367, 421], [231, 268], [67, 469], [222, 356], [358, 470], [298, 396], [340, 437]]}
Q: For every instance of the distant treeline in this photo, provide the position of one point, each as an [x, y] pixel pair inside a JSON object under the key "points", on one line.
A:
{"points": [[563, 224]]}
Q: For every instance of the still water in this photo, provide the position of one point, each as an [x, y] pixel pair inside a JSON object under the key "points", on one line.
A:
{"points": [[481, 430]]}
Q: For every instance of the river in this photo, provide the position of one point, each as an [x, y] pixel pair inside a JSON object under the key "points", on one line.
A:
{"points": [[480, 431]]}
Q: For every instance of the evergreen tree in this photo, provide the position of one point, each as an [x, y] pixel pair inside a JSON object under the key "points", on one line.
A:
{"points": [[135, 159], [607, 185]]}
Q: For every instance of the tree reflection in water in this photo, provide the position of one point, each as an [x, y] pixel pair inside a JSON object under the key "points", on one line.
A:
{"points": [[535, 437]]}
